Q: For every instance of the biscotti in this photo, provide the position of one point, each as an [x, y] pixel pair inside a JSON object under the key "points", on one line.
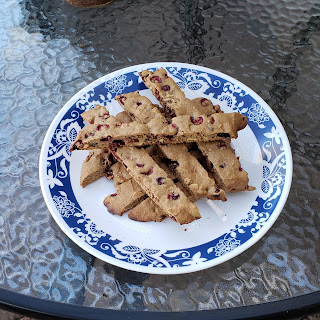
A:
{"points": [[230, 179], [187, 168], [127, 196], [147, 211], [94, 166], [172, 98], [98, 162], [182, 129], [156, 183]]}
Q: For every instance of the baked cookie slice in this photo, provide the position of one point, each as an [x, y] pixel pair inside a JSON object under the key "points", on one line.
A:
{"points": [[185, 166], [157, 185], [98, 114], [172, 98], [230, 178], [94, 167], [98, 162], [183, 129], [147, 211], [127, 196]]}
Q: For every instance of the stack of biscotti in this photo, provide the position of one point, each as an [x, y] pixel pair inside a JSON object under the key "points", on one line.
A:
{"points": [[164, 179]]}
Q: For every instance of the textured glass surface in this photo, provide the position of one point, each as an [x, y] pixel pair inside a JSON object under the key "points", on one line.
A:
{"points": [[49, 50]]}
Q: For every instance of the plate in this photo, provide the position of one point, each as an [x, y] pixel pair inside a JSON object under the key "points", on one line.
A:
{"points": [[225, 230]]}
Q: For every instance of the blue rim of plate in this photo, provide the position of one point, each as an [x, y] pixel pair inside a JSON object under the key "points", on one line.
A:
{"points": [[62, 203]]}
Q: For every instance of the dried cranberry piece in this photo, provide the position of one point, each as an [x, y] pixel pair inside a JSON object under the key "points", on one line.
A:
{"points": [[166, 75], [140, 165], [139, 103], [173, 196], [196, 121], [221, 144], [109, 175], [99, 127], [106, 139], [223, 135], [104, 115], [149, 172], [212, 120], [174, 125], [205, 102], [160, 180], [113, 194], [122, 98], [240, 169], [85, 136], [155, 79], [165, 88]]}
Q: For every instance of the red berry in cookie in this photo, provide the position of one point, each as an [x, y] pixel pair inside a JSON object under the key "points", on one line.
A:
{"points": [[173, 196], [149, 172], [205, 102], [196, 121], [160, 180], [122, 99], [155, 79]]}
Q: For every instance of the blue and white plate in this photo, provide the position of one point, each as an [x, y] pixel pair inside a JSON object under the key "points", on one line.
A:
{"points": [[225, 229]]}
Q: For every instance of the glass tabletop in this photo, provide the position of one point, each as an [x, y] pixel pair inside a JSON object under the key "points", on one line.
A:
{"points": [[49, 50]]}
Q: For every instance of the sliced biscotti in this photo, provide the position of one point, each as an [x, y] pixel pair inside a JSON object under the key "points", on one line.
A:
{"points": [[182, 129], [191, 173], [147, 211], [172, 98], [139, 107], [228, 178], [127, 196], [120, 174], [205, 106], [167, 92], [186, 167], [156, 183], [94, 167], [98, 162], [225, 166], [98, 114]]}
